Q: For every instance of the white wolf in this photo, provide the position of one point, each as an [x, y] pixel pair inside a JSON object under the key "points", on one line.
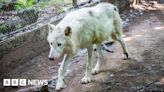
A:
{"points": [[81, 29]]}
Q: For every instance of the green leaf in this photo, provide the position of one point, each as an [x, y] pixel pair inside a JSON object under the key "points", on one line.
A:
{"points": [[30, 3], [18, 7]]}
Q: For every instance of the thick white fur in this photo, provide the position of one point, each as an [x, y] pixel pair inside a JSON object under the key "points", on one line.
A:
{"points": [[81, 29]]}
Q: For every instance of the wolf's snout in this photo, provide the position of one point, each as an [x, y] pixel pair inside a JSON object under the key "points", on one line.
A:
{"points": [[51, 58]]}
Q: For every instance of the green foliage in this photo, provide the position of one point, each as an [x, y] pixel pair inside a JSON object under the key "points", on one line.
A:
{"points": [[56, 1], [1, 5], [24, 4], [2, 28], [2, 1]]}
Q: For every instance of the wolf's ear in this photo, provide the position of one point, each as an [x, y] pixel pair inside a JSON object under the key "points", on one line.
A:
{"points": [[68, 31], [51, 27]]}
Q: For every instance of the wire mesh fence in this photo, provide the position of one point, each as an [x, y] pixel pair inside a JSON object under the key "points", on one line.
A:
{"points": [[16, 14]]}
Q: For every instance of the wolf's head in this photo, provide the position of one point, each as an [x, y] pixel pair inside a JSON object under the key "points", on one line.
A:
{"points": [[59, 41]]}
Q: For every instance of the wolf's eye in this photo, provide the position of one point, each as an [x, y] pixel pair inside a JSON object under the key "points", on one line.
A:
{"points": [[51, 43], [59, 44]]}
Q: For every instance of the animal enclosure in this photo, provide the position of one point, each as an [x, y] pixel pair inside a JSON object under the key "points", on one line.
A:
{"points": [[24, 48]]}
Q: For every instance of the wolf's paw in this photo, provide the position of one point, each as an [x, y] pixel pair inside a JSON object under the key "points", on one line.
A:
{"points": [[95, 71], [86, 80], [60, 85], [125, 56]]}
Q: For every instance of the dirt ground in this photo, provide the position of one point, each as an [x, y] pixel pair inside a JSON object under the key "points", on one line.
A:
{"points": [[143, 72]]}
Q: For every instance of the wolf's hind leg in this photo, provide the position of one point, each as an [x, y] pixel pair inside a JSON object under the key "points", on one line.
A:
{"points": [[125, 51], [118, 35]]}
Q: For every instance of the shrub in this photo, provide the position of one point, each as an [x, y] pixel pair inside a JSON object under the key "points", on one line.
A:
{"points": [[24, 4]]}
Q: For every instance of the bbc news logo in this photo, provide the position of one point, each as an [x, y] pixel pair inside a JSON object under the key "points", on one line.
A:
{"points": [[23, 82]]}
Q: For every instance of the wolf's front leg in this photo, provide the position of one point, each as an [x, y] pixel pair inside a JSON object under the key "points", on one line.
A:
{"points": [[96, 69], [60, 83], [88, 75]]}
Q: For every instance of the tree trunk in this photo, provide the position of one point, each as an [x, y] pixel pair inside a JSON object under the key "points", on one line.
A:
{"points": [[74, 3], [121, 4], [134, 3]]}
